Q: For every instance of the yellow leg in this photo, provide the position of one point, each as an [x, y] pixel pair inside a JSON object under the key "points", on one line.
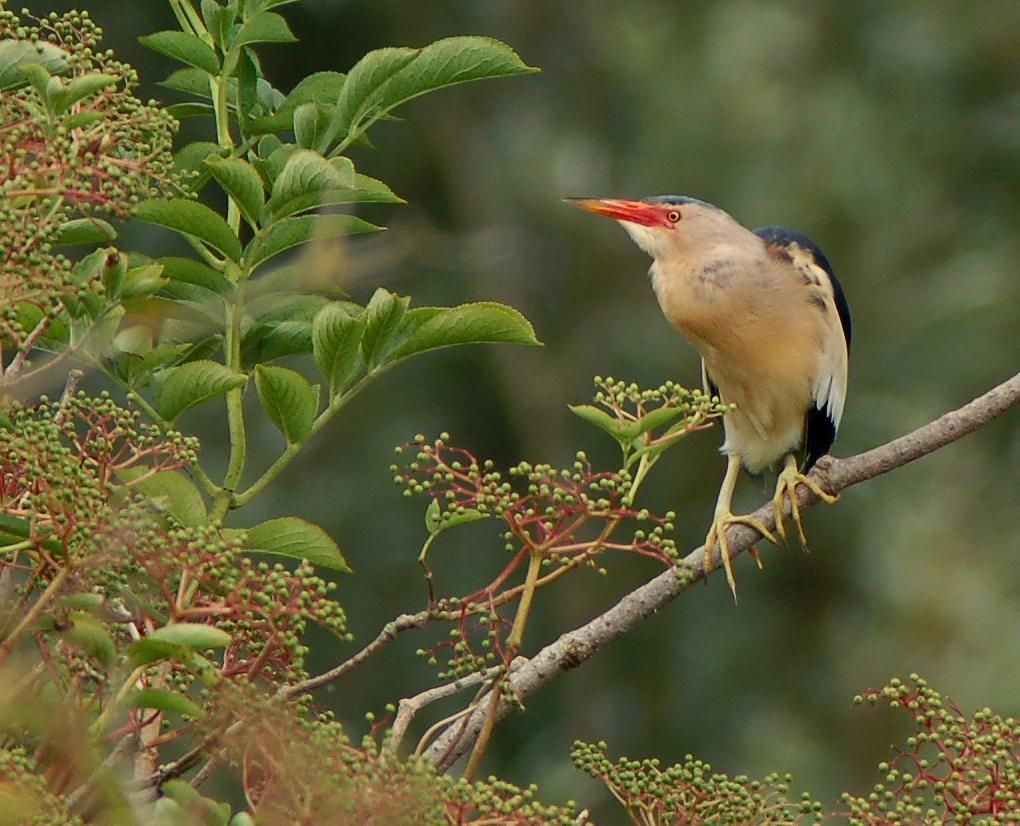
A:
{"points": [[787, 483], [722, 520]]}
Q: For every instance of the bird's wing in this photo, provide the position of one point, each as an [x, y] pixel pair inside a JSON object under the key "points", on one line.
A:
{"points": [[829, 388], [709, 386]]}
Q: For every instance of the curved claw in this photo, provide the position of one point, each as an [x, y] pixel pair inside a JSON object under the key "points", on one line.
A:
{"points": [[717, 533], [787, 484]]}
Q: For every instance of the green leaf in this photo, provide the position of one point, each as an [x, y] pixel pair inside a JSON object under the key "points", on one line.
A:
{"points": [[291, 232], [336, 336], [264, 27], [163, 700], [183, 111], [363, 90], [602, 420], [321, 87], [82, 87], [184, 47], [191, 635], [385, 78], [364, 191], [309, 121], [191, 218], [653, 419], [267, 341], [288, 400], [90, 634], [190, 82], [308, 172], [383, 316], [143, 281], [40, 79], [240, 180], [436, 524], [295, 538], [85, 231], [170, 491], [479, 323], [194, 272], [217, 18], [193, 383], [192, 158], [15, 53]]}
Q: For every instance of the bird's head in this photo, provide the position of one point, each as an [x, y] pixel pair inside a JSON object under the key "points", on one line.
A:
{"points": [[666, 225]]}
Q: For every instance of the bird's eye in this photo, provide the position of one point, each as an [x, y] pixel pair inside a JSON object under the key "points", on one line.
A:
{"points": [[673, 216]]}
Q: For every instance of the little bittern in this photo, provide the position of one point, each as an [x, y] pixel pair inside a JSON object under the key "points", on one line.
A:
{"points": [[766, 313]]}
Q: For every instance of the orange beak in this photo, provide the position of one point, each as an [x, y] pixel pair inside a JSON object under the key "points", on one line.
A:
{"points": [[637, 212]]}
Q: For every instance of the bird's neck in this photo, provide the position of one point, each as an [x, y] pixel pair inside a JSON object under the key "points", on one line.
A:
{"points": [[698, 291]]}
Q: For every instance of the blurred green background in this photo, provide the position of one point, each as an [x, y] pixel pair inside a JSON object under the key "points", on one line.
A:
{"points": [[887, 132]]}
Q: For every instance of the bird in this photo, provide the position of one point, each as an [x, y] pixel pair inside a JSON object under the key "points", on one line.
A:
{"points": [[769, 318]]}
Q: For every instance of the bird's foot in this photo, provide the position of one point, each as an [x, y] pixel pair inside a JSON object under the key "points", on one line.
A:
{"points": [[787, 484], [717, 533]]}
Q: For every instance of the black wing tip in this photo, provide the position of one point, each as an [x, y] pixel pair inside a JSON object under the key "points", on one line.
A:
{"points": [[819, 434]]}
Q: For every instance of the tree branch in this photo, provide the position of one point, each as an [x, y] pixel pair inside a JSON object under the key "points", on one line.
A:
{"points": [[834, 475]]}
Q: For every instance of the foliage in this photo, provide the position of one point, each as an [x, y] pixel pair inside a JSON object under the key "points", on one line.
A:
{"points": [[691, 793], [954, 769], [143, 633], [557, 519]]}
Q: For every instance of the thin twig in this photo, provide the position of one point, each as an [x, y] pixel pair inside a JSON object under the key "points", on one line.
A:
{"points": [[388, 633], [408, 707], [573, 648]]}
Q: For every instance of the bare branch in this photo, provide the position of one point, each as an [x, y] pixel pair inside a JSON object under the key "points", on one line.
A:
{"points": [[834, 475], [388, 633]]}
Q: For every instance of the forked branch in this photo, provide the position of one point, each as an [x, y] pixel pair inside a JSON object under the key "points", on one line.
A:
{"points": [[834, 475]]}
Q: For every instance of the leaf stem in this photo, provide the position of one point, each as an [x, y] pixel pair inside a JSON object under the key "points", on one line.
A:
{"points": [[32, 614], [294, 448]]}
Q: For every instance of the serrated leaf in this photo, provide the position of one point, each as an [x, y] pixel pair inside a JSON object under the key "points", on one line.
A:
{"points": [[163, 700], [267, 341], [288, 399], [190, 271], [190, 82], [385, 78], [264, 27], [287, 233], [321, 87], [309, 120], [193, 383], [14, 53], [336, 336], [192, 157], [191, 218], [363, 89], [81, 87], [85, 231], [240, 180], [169, 491], [88, 633], [142, 281], [602, 420], [295, 538], [430, 328], [308, 172], [365, 190], [383, 317], [184, 47], [653, 419]]}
